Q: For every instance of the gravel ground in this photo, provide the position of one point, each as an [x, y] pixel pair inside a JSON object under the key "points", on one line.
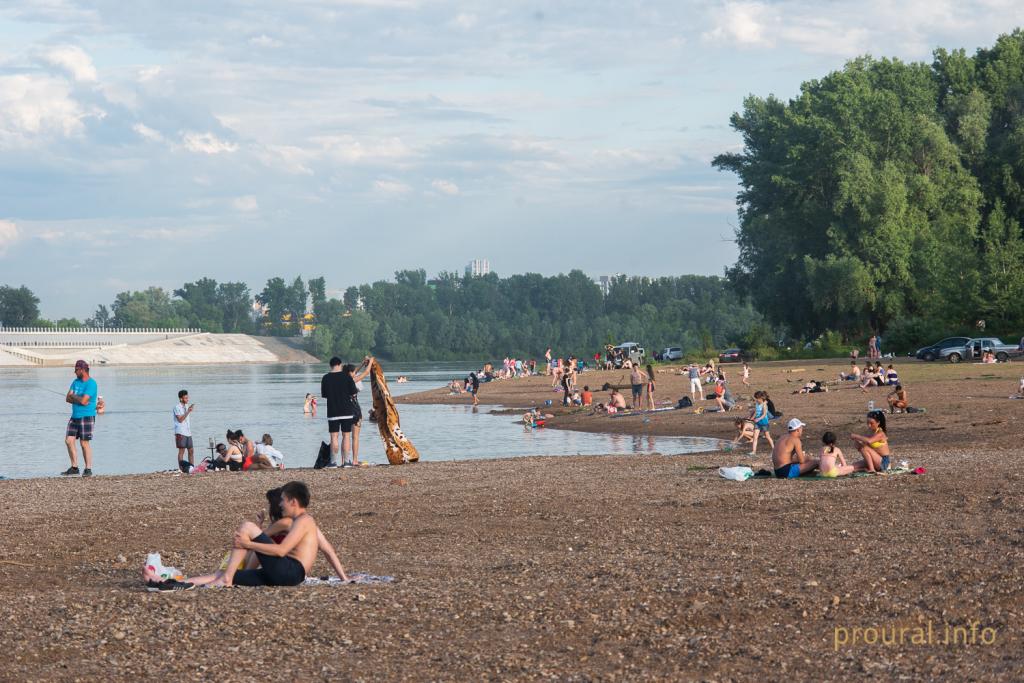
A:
{"points": [[572, 568], [647, 567]]}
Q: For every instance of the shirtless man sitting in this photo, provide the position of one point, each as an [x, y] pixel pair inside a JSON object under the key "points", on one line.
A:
{"points": [[280, 564], [788, 456]]}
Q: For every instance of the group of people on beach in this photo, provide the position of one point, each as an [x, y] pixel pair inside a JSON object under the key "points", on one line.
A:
{"points": [[790, 461]]}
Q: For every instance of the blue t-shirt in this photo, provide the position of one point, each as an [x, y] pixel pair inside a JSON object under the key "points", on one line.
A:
{"points": [[80, 388]]}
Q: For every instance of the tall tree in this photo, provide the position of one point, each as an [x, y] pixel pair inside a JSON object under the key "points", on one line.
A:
{"points": [[317, 294], [19, 307]]}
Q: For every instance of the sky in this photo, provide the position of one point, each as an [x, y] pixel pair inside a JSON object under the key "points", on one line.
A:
{"points": [[153, 143]]}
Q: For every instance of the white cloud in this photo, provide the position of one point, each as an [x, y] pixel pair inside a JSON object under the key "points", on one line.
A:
{"points": [[33, 106], [73, 60], [147, 132], [741, 22], [206, 143], [247, 203], [390, 188], [264, 40], [464, 21], [9, 234], [350, 149], [445, 186], [149, 73], [288, 158]]}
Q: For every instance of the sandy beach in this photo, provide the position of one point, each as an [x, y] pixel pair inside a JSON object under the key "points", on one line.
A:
{"points": [[571, 568], [957, 399]]}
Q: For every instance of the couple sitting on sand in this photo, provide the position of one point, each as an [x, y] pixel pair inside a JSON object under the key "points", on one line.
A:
{"points": [[789, 460], [280, 555]]}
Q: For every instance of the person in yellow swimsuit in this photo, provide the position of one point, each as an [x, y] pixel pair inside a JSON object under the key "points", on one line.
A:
{"points": [[873, 447]]}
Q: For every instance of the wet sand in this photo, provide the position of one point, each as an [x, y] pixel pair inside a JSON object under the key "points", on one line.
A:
{"points": [[578, 568]]}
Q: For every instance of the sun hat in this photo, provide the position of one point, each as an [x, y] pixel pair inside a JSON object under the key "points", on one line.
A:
{"points": [[795, 424]]}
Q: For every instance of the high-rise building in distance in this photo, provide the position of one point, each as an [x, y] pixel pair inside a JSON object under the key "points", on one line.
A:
{"points": [[478, 267]]}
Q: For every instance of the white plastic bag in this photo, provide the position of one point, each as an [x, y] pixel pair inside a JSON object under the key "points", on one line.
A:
{"points": [[736, 473], [156, 565]]}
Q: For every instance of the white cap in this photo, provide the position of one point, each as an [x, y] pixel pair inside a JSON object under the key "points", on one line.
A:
{"points": [[795, 424]]}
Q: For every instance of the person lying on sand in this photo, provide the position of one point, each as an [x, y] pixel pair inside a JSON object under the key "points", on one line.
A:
{"points": [[788, 458], [280, 564], [832, 463], [874, 447]]}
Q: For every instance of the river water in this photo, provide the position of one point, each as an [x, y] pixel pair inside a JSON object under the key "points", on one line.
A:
{"points": [[135, 435]]}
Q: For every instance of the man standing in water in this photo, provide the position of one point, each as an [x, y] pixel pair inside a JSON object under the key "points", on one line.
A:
{"points": [[338, 388], [183, 427], [83, 399]]}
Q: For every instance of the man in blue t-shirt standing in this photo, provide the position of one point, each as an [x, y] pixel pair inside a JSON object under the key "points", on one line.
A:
{"points": [[83, 399]]}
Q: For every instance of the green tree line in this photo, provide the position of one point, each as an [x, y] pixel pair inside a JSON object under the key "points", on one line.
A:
{"points": [[887, 197], [456, 316], [450, 317]]}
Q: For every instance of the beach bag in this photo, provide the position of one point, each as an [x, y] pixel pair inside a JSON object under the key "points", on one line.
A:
{"points": [[323, 458], [685, 402], [735, 473]]}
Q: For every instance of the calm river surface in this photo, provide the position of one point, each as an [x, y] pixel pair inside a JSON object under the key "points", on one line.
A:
{"points": [[135, 434]]}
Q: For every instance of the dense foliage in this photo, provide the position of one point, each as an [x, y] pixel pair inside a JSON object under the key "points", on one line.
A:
{"points": [[463, 317], [887, 197], [19, 307], [204, 304], [455, 317]]}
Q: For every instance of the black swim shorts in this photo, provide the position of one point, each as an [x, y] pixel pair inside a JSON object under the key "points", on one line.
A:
{"points": [[273, 571], [343, 425]]}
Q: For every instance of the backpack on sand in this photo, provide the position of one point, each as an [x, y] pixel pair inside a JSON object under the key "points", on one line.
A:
{"points": [[323, 458]]}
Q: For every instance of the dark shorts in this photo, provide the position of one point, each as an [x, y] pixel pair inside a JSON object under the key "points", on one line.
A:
{"points": [[790, 471], [182, 441], [357, 411], [81, 428], [344, 426], [638, 389], [273, 571]]}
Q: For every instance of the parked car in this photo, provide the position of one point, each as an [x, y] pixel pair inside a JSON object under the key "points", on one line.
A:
{"points": [[669, 353], [934, 351], [630, 350], [731, 356], [974, 348]]}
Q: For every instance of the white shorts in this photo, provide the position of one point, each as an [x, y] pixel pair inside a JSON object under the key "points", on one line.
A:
{"points": [[695, 385]]}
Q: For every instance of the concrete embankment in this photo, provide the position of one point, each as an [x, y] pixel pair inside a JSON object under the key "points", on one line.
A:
{"points": [[193, 349]]}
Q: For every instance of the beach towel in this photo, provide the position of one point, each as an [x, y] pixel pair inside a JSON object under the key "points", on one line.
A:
{"points": [[397, 446], [357, 578], [856, 475]]}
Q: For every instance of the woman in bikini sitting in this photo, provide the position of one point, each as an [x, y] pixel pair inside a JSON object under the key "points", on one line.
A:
{"points": [[277, 530], [832, 463], [874, 447]]}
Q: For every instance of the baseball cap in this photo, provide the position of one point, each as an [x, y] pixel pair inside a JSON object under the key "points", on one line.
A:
{"points": [[795, 424], [81, 365]]}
